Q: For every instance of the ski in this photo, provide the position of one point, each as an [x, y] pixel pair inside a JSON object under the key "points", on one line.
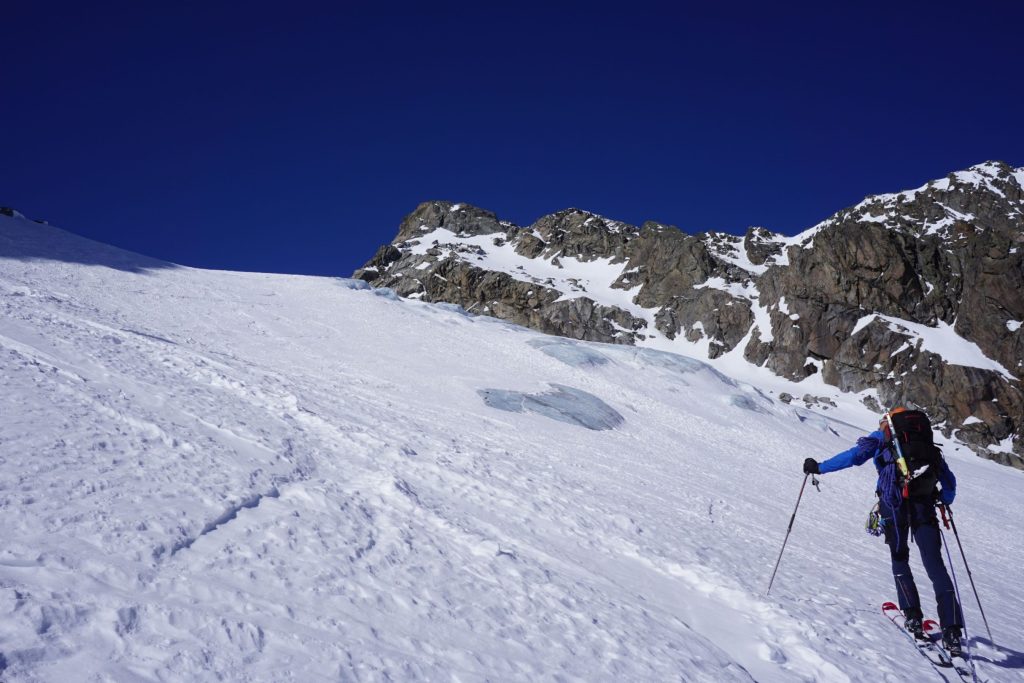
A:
{"points": [[928, 649], [964, 667]]}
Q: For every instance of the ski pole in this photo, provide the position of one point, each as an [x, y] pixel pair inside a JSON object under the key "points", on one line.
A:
{"points": [[790, 528], [959, 606], [969, 575]]}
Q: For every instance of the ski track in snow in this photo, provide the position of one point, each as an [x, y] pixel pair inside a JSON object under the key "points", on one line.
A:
{"points": [[209, 475]]}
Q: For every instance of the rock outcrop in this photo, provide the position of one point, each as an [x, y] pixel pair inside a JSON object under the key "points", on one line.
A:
{"points": [[913, 297]]}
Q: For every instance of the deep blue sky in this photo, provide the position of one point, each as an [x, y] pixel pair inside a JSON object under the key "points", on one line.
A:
{"points": [[295, 137]]}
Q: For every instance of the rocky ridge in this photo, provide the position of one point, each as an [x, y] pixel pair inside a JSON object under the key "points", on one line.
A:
{"points": [[905, 298]]}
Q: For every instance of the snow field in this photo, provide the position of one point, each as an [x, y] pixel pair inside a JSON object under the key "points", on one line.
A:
{"points": [[209, 475]]}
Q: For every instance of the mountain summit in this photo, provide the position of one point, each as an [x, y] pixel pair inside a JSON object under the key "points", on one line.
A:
{"points": [[905, 298]]}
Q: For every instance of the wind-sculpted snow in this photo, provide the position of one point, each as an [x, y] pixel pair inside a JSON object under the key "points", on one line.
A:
{"points": [[564, 404], [243, 477]]}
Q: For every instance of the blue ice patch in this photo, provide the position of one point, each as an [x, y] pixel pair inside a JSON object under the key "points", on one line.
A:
{"points": [[574, 355], [352, 283], [682, 364], [562, 403]]}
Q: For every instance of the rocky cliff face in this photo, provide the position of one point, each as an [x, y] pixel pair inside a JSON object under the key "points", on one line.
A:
{"points": [[907, 298]]}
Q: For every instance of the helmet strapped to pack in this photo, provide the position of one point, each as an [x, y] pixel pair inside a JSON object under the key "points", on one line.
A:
{"points": [[909, 434]]}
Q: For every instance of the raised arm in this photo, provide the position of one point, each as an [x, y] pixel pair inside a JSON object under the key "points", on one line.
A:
{"points": [[866, 448]]}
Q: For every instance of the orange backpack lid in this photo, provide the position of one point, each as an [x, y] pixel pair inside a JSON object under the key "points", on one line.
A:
{"points": [[883, 424]]}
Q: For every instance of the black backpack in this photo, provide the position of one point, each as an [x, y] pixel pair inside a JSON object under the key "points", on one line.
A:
{"points": [[923, 457]]}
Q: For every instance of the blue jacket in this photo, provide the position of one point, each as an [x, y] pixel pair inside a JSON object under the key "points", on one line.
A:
{"points": [[872, 447]]}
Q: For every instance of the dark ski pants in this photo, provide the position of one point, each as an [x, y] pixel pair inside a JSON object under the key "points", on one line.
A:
{"points": [[916, 516]]}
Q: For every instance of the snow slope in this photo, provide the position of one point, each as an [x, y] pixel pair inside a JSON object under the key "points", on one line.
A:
{"points": [[233, 476]]}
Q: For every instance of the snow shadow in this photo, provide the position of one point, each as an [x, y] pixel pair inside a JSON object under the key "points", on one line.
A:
{"points": [[575, 355], [562, 403], [1011, 658], [25, 240], [746, 403]]}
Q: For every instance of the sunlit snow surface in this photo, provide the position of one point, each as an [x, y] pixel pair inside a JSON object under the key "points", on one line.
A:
{"points": [[226, 476], [942, 340]]}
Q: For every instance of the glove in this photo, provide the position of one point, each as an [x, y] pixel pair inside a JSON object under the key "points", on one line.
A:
{"points": [[946, 496], [811, 466]]}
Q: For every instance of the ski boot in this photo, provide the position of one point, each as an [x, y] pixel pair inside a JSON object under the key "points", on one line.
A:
{"points": [[951, 641], [913, 624]]}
